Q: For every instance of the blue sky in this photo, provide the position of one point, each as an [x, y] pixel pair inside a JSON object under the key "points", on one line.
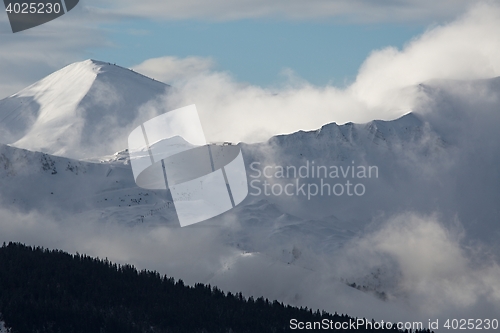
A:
{"points": [[257, 50]]}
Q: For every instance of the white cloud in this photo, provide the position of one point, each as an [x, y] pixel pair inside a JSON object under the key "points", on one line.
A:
{"points": [[466, 48], [437, 271], [172, 69], [385, 88], [347, 10]]}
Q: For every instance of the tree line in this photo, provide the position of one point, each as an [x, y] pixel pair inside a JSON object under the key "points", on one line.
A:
{"points": [[50, 291]]}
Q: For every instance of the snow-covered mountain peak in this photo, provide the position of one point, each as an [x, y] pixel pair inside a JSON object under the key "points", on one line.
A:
{"points": [[80, 111]]}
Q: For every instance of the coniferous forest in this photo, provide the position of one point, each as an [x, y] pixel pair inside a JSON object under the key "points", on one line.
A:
{"points": [[50, 291]]}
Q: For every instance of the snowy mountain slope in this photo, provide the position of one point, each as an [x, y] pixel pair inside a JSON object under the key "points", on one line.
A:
{"points": [[82, 110], [392, 149], [278, 225], [34, 181], [414, 171], [266, 223], [333, 145]]}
